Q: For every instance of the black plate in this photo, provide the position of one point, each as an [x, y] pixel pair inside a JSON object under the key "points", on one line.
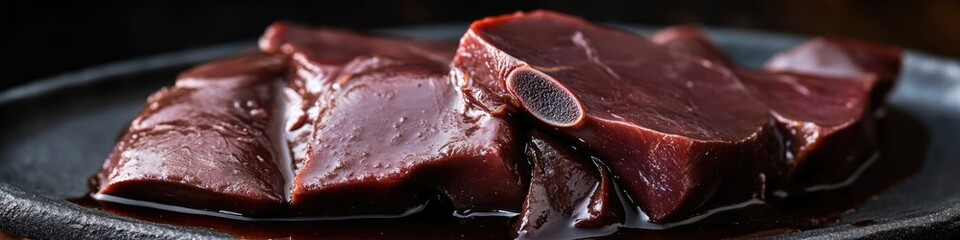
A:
{"points": [[56, 132]]}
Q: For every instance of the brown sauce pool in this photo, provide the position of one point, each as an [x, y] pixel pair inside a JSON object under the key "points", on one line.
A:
{"points": [[903, 141]]}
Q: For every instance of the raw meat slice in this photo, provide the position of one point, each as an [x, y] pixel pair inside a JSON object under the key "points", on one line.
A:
{"points": [[385, 127], [211, 142], [845, 59], [825, 120], [386, 136], [321, 58]]}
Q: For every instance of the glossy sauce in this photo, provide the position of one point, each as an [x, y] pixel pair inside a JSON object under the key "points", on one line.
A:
{"points": [[903, 145]]}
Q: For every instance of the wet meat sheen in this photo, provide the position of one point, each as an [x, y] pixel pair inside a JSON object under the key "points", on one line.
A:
{"points": [[570, 196], [209, 142], [322, 58], [387, 134], [537, 125], [673, 127], [388, 128]]}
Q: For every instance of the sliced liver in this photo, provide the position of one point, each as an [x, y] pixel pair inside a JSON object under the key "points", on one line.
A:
{"points": [[387, 136], [825, 120], [845, 59], [387, 128], [322, 57], [211, 142]]}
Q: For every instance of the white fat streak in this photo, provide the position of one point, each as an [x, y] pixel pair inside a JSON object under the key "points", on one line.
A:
{"points": [[582, 42]]}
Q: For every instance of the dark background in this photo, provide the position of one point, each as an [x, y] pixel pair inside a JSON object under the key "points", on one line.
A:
{"points": [[42, 39]]}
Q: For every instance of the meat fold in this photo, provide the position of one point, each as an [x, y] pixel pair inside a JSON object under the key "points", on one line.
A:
{"points": [[570, 196], [210, 142], [825, 120], [672, 127], [387, 128], [844, 59]]}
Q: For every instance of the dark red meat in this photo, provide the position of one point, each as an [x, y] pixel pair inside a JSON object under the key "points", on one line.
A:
{"points": [[671, 126], [842, 58], [570, 196], [322, 58], [826, 121], [388, 128], [211, 142], [621, 131]]}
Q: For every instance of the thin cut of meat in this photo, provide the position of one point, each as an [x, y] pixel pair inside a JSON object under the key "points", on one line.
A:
{"points": [[389, 130], [845, 59], [672, 127], [570, 195], [211, 142], [323, 58], [825, 120], [388, 135]]}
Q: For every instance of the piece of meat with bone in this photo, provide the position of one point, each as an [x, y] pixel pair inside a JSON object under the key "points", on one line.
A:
{"points": [[571, 195], [826, 121], [389, 130], [211, 142], [845, 59], [672, 127]]}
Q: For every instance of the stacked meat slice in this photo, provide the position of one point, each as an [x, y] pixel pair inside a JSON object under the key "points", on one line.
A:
{"points": [[572, 125], [388, 128], [825, 118]]}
